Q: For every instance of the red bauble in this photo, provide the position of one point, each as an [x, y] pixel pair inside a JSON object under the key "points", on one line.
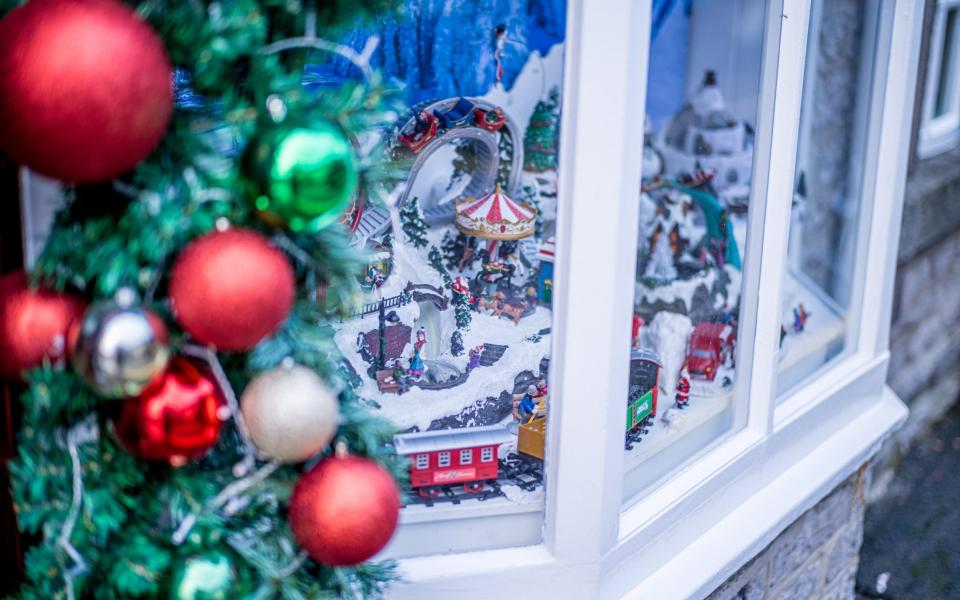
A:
{"points": [[85, 88], [231, 289], [174, 421], [33, 324], [344, 510]]}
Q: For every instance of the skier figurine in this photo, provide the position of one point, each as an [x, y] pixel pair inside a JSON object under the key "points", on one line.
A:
{"points": [[683, 388], [800, 316], [417, 368]]}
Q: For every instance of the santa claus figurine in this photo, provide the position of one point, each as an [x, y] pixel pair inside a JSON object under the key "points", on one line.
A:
{"points": [[683, 388]]}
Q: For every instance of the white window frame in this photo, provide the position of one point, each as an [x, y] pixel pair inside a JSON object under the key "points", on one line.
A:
{"points": [[486, 454], [941, 133], [468, 454], [715, 512], [443, 458], [423, 461]]}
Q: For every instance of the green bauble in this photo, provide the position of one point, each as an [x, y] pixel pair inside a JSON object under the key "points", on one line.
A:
{"points": [[206, 576], [300, 177]]}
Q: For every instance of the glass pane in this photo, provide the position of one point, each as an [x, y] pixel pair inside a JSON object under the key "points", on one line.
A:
{"points": [[821, 280], [451, 339], [703, 89], [947, 76]]}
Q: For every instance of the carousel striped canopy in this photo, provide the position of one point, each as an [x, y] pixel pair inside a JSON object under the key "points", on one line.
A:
{"points": [[495, 216]]}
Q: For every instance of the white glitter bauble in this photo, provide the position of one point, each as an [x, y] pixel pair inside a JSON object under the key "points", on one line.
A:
{"points": [[290, 412]]}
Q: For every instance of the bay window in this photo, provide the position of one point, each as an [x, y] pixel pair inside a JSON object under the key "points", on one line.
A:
{"points": [[641, 266]]}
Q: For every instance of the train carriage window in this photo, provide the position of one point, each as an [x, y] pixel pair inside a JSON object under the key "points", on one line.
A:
{"points": [[466, 457], [695, 201], [820, 284], [486, 454], [423, 461], [443, 459]]}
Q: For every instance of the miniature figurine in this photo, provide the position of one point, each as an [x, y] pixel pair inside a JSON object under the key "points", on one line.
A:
{"points": [[375, 277], [531, 297], [683, 388], [511, 311], [635, 332], [499, 45], [783, 334], [475, 354], [417, 368], [800, 316], [527, 405], [460, 286], [363, 348], [400, 376], [541, 388]]}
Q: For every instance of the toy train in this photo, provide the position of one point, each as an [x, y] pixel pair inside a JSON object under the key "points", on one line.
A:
{"points": [[452, 456], [643, 392], [467, 457]]}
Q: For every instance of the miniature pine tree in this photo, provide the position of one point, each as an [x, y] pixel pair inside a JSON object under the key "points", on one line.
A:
{"points": [[436, 261], [107, 524], [541, 137], [414, 227], [462, 313], [456, 343], [660, 267]]}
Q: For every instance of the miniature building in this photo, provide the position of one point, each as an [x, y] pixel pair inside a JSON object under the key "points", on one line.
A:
{"points": [[704, 135], [395, 338]]}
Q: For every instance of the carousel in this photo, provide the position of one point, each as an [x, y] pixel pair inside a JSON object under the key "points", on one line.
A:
{"points": [[498, 219], [495, 217]]}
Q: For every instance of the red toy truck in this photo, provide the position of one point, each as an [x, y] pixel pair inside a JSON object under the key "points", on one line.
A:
{"points": [[708, 348]]}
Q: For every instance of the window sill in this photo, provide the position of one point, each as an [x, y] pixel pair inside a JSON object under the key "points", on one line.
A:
{"points": [[776, 481], [745, 531]]}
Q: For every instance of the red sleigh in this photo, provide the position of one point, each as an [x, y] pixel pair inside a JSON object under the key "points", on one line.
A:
{"points": [[424, 132], [491, 121]]}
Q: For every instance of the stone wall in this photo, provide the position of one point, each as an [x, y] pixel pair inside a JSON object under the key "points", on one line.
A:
{"points": [[924, 339], [815, 557]]}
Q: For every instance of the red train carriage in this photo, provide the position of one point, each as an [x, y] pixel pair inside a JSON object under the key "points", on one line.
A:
{"points": [[451, 456]]}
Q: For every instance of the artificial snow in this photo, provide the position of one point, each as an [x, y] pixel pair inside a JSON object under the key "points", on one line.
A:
{"points": [[667, 335]]}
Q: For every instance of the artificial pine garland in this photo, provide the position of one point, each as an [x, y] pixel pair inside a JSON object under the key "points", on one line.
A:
{"points": [[122, 532]]}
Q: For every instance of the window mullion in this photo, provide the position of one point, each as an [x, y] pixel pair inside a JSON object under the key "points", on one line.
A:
{"points": [[778, 124], [892, 124], [600, 158]]}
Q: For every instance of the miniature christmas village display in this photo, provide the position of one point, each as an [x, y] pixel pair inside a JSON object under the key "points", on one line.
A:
{"points": [[452, 339], [687, 294]]}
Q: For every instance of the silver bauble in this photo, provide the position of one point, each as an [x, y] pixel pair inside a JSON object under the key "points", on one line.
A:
{"points": [[120, 350], [290, 413]]}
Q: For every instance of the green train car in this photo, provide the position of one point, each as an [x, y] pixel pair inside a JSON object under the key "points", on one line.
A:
{"points": [[643, 391]]}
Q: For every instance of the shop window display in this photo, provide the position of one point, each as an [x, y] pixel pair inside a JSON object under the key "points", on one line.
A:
{"points": [[695, 198], [451, 341]]}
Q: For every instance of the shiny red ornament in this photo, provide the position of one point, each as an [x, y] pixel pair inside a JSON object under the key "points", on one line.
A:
{"points": [[175, 421], [344, 510], [34, 324], [85, 88], [231, 289]]}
